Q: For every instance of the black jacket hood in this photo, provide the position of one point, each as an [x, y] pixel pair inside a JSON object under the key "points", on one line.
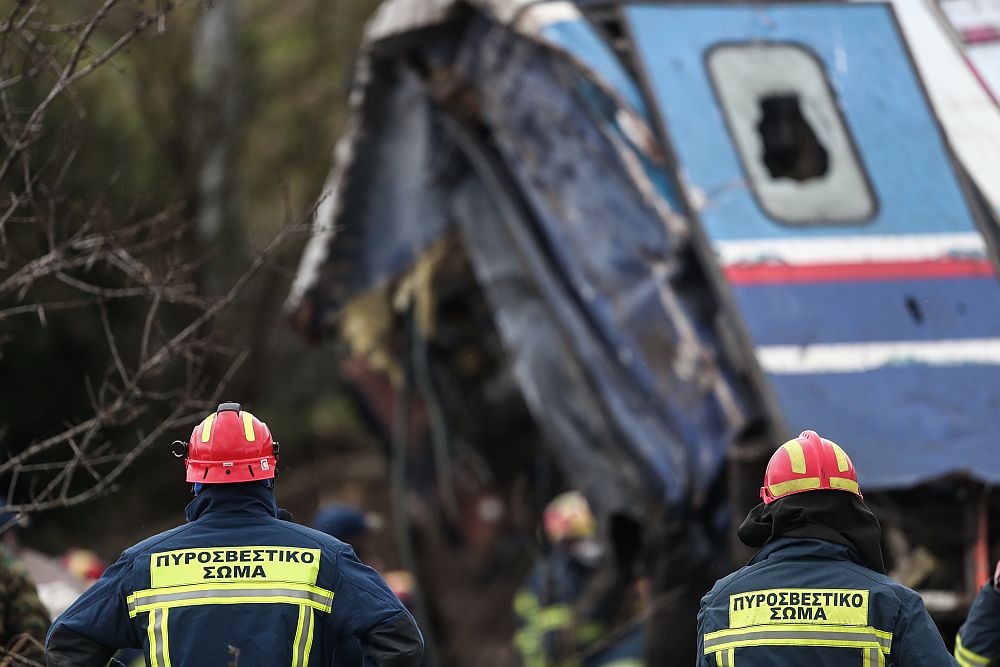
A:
{"points": [[834, 516]]}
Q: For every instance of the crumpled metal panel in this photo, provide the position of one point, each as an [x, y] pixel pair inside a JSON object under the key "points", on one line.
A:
{"points": [[627, 293], [546, 365]]}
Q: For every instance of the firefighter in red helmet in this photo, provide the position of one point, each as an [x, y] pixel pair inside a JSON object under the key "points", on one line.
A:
{"points": [[236, 583], [816, 593]]}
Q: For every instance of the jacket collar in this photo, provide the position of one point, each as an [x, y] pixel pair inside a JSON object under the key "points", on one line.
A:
{"points": [[789, 548], [244, 499]]}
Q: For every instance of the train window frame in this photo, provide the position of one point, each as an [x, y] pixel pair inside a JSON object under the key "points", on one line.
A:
{"points": [[850, 148]]}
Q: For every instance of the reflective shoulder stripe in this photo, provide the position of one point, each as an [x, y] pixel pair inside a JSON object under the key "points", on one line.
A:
{"points": [[843, 636], [303, 637], [231, 593], [967, 658]]}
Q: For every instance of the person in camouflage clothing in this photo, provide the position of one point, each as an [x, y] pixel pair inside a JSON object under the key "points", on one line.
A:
{"points": [[23, 619]]}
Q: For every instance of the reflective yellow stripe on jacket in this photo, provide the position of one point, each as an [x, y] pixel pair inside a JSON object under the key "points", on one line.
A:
{"points": [[874, 644], [159, 641], [303, 637], [967, 658], [725, 658], [539, 621], [230, 593]]}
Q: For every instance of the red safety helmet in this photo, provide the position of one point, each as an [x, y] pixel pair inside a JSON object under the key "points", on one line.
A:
{"points": [[568, 517], [808, 463], [230, 445]]}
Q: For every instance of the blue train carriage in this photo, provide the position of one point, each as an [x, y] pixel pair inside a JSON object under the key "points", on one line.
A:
{"points": [[855, 249]]}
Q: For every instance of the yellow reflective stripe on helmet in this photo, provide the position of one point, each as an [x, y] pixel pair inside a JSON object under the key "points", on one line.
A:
{"points": [[796, 456], [248, 426], [967, 658], [835, 636], [233, 593], [843, 463], [845, 484], [804, 484], [303, 637], [206, 427]]}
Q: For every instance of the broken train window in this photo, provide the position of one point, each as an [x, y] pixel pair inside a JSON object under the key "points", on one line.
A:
{"points": [[791, 137]]}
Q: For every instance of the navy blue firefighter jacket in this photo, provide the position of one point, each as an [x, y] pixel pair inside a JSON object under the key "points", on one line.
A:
{"points": [[811, 602], [978, 641], [236, 585]]}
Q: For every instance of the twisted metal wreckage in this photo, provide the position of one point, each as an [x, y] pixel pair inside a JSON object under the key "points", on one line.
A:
{"points": [[648, 242]]}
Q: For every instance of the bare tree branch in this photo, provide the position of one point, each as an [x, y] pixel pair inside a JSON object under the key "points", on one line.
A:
{"points": [[129, 273]]}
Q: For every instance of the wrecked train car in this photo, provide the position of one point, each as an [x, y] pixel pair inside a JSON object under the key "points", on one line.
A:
{"points": [[630, 247]]}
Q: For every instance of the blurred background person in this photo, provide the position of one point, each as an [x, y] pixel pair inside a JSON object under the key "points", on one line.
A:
{"points": [[572, 595], [351, 526], [978, 640]]}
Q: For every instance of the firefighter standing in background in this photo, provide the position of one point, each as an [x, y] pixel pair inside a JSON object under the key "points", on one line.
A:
{"points": [[236, 584], [978, 640], [816, 593], [569, 602]]}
